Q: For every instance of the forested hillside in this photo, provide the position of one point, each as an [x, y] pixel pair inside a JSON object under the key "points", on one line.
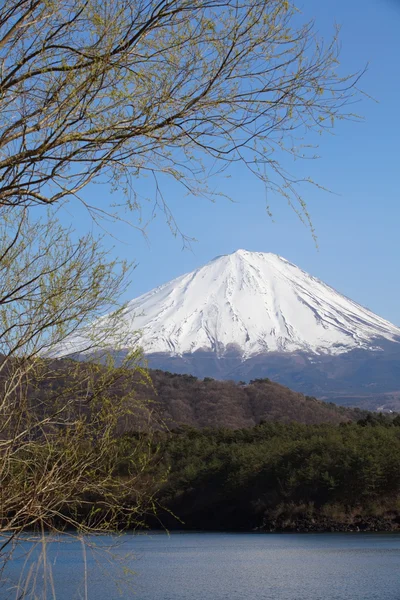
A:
{"points": [[305, 465], [283, 477], [184, 399]]}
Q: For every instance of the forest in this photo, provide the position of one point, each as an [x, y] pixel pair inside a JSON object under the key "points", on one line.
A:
{"points": [[282, 477]]}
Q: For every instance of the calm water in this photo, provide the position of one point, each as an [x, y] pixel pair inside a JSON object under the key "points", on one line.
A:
{"points": [[200, 566]]}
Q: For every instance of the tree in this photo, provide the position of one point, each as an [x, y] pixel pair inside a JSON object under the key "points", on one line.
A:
{"points": [[112, 90], [60, 420]]}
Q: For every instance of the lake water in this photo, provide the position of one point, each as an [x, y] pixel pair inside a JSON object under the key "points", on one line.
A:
{"points": [[207, 566]]}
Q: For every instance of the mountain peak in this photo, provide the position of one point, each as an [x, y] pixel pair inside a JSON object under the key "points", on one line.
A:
{"points": [[242, 253], [255, 302]]}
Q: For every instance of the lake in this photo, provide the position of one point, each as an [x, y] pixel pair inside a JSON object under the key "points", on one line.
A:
{"points": [[214, 566]]}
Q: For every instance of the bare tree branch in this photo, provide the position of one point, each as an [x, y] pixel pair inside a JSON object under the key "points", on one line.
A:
{"points": [[92, 89]]}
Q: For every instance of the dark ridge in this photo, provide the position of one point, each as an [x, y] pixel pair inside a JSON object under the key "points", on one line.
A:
{"points": [[200, 403]]}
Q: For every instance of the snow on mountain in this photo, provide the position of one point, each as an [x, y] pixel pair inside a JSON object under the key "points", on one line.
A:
{"points": [[254, 302]]}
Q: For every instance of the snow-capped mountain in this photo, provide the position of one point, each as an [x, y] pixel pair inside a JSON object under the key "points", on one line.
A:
{"points": [[253, 303]]}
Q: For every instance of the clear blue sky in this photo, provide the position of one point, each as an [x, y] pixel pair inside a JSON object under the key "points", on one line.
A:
{"points": [[357, 227]]}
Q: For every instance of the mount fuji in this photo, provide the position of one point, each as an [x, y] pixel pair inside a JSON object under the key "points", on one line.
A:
{"points": [[253, 314]]}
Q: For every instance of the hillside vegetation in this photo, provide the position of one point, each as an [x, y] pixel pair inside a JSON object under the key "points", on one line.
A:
{"points": [[284, 477], [186, 400], [245, 457]]}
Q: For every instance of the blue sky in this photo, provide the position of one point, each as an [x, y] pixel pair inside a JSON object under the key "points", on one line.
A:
{"points": [[357, 226]]}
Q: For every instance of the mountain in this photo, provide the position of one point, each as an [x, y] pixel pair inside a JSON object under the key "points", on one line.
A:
{"points": [[254, 314]]}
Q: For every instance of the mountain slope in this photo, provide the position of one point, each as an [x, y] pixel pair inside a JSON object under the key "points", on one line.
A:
{"points": [[252, 303], [258, 303], [249, 315]]}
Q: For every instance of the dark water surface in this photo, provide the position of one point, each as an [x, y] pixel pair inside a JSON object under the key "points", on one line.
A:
{"points": [[202, 566]]}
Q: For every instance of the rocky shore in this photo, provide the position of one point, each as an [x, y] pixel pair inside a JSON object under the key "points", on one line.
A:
{"points": [[358, 523]]}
